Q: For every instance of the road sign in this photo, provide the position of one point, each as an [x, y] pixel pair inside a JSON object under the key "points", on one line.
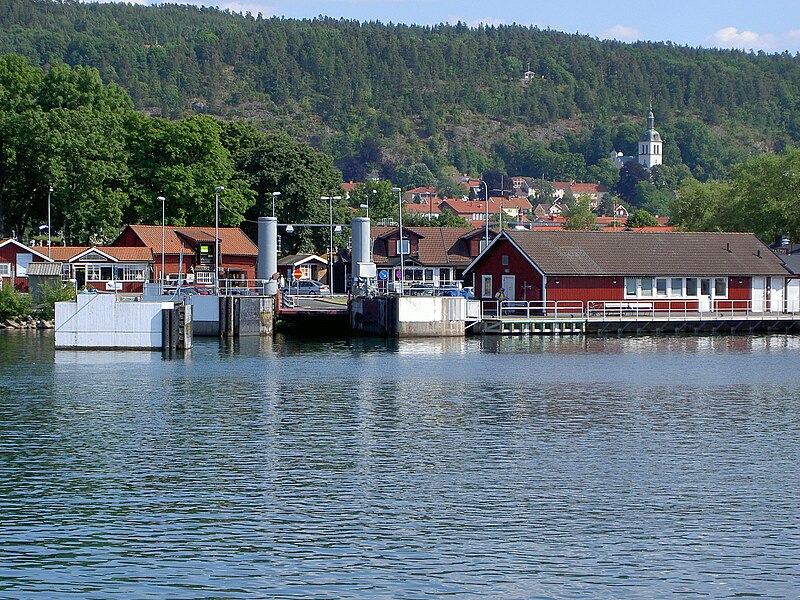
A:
{"points": [[383, 274], [297, 274]]}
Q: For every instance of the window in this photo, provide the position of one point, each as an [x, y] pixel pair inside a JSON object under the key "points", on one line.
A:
{"points": [[721, 287], [505, 260], [630, 286], [405, 247], [92, 272], [705, 287], [661, 287], [204, 277], [691, 286], [486, 286], [647, 286], [5, 269], [676, 287]]}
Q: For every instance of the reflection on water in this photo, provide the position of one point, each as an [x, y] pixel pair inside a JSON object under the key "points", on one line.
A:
{"points": [[514, 467]]}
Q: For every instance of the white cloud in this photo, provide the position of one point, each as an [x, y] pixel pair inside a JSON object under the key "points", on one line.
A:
{"points": [[623, 33], [731, 37], [486, 21]]}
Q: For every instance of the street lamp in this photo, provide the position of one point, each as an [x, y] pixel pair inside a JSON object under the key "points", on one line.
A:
{"points": [[163, 221], [274, 195], [402, 253], [217, 190], [49, 239], [486, 242], [330, 200]]}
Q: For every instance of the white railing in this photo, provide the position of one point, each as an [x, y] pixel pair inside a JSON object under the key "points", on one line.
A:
{"points": [[689, 309], [503, 309]]}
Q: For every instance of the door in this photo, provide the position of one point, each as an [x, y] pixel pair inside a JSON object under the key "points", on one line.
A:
{"points": [[759, 294], [776, 294], [793, 296], [704, 299], [508, 283]]}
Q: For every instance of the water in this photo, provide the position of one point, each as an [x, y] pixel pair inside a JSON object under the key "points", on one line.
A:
{"points": [[495, 467]]}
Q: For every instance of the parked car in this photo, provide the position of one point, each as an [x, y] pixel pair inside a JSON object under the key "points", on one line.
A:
{"points": [[306, 287], [455, 290]]}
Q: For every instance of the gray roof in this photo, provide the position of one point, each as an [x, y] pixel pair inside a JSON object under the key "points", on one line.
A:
{"points": [[792, 262], [44, 269], [634, 253]]}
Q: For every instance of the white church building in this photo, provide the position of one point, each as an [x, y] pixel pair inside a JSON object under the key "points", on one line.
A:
{"points": [[650, 148]]}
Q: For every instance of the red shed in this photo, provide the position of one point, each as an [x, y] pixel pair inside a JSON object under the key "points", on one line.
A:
{"points": [[701, 270]]}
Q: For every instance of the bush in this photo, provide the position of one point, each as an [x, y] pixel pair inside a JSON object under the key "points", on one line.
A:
{"points": [[49, 294], [13, 303]]}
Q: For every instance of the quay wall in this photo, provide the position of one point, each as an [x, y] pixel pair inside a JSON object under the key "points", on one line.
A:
{"points": [[409, 316], [100, 321]]}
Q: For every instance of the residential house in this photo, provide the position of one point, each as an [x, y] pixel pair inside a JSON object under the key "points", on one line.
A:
{"points": [[188, 252], [310, 266], [14, 260], [427, 209], [696, 271], [435, 255], [105, 268], [418, 194]]}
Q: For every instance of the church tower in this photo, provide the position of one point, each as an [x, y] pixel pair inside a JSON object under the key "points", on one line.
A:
{"points": [[650, 145]]}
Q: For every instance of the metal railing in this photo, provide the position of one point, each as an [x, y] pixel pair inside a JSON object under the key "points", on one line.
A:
{"points": [[690, 309], [639, 309], [502, 309]]}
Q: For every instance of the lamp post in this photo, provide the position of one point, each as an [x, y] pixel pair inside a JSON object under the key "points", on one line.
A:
{"points": [[330, 200], [274, 195], [217, 190], [402, 248], [163, 222], [486, 241], [49, 238]]}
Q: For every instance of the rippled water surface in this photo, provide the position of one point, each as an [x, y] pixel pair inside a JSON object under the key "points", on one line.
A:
{"points": [[497, 467]]}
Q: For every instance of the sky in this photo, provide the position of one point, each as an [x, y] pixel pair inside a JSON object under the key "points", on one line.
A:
{"points": [[768, 25]]}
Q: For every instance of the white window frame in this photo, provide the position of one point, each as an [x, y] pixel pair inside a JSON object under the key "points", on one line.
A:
{"points": [[486, 286], [406, 248], [672, 292], [204, 277], [5, 269]]}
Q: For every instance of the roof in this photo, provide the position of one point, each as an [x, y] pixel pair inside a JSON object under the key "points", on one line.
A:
{"points": [[44, 269], [119, 253], [436, 245], [292, 260], [630, 253], [25, 248], [424, 208], [233, 241], [507, 202], [469, 207]]}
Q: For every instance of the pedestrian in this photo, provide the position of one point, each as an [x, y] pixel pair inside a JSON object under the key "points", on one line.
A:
{"points": [[500, 295]]}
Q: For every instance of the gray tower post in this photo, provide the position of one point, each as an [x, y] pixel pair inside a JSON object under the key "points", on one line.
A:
{"points": [[267, 263]]}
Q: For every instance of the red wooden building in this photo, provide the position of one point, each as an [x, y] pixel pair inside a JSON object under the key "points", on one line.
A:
{"points": [[434, 255], [700, 270], [14, 260], [189, 252]]}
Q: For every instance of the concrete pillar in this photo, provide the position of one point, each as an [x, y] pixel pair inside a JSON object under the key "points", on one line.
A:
{"points": [[267, 264]]}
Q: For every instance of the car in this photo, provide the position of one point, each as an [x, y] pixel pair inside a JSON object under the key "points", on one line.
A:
{"points": [[306, 287]]}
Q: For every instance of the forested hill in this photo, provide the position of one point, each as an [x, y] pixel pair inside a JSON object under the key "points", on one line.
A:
{"points": [[380, 95]]}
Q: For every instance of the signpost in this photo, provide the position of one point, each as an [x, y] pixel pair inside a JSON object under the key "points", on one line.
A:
{"points": [[297, 274]]}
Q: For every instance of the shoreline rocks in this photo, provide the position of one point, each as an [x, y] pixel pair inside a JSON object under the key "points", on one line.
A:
{"points": [[26, 323]]}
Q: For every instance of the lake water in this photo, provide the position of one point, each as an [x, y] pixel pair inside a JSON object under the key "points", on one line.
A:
{"points": [[496, 467]]}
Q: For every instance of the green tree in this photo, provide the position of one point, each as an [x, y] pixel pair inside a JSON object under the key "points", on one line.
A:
{"points": [[579, 215], [641, 218], [185, 161]]}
